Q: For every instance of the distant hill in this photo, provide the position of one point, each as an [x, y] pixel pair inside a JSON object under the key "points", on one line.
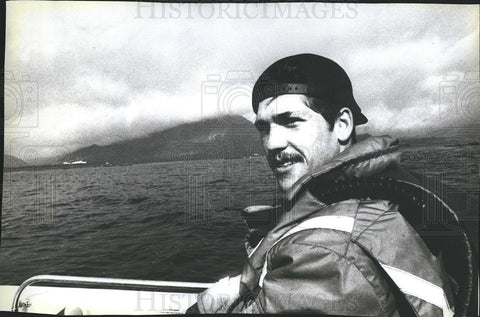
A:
{"points": [[229, 137], [465, 134], [233, 137], [10, 161], [469, 134]]}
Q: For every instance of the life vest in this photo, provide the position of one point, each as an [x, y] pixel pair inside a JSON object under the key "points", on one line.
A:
{"points": [[433, 220]]}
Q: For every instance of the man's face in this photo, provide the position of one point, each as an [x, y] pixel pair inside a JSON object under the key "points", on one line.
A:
{"points": [[296, 138]]}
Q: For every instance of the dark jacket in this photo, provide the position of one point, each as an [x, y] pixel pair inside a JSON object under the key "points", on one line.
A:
{"points": [[351, 240]]}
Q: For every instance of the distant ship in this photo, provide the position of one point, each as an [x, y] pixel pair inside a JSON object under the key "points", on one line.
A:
{"points": [[75, 162]]}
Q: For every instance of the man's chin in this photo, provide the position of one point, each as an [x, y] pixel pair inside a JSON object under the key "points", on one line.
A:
{"points": [[287, 177], [285, 182]]}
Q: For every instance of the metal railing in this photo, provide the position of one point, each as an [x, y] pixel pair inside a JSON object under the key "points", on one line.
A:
{"points": [[102, 281]]}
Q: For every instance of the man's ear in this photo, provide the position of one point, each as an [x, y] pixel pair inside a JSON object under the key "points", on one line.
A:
{"points": [[344, 126]]}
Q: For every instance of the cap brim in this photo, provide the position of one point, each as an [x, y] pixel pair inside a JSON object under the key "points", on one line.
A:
{"points": [[359, 118]]}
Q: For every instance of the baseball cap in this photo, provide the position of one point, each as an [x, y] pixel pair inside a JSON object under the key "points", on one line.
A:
{"points": [[311, 75]]}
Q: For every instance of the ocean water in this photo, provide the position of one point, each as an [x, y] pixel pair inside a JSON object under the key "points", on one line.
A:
{"points": [[177, 221]]}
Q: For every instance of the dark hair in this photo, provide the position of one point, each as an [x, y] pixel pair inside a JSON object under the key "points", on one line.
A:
{"points": [[330, 114]]}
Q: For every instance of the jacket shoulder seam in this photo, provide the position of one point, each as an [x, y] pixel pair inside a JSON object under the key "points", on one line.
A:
{"points": [[374, 221]]}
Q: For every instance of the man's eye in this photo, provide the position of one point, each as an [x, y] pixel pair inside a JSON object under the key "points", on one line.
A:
{"points": [[292, 122], [263, 128]]}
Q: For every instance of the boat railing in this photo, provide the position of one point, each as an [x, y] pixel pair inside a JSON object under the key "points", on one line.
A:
{"points": [[102, 281]]}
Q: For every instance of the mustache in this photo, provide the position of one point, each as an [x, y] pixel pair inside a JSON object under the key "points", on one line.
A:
{"points": [[279, 158]]}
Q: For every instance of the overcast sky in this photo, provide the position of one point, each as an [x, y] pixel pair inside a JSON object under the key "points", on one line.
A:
{"points": [[91, 72]]}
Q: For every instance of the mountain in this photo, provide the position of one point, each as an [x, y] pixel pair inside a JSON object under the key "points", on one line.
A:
{"points": [[453, 135], [467, 133], [227, 137], [10, 161], [231, 137]]}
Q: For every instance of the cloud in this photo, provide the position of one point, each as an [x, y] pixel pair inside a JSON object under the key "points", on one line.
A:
{"points": [[402, 85], [105, 74]]}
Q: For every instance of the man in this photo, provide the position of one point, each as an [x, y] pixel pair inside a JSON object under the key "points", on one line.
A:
{"points": [[350, 238]]}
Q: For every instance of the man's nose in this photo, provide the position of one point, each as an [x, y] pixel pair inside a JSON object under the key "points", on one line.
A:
{"points": [[276, 139]]}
